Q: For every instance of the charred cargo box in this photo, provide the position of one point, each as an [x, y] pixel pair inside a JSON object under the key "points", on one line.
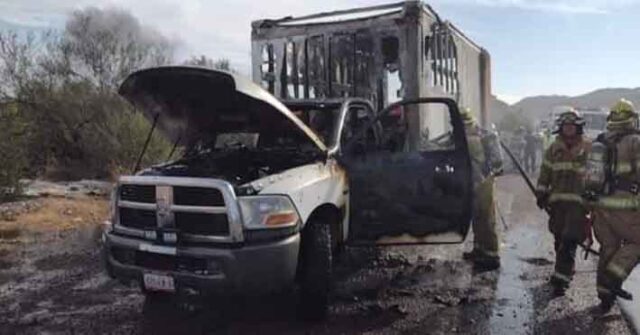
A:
{"points": [[268, 190], [383, 54]]}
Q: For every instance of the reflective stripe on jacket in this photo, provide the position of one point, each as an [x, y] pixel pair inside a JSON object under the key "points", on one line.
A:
{"points": [[571, 197], [619, 201]]}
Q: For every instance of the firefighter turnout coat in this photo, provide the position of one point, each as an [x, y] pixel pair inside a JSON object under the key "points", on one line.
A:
{"points": [[561, 184], [617, 213]]}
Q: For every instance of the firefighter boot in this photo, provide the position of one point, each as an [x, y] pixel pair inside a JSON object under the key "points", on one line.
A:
{"points": [[486, 263], [559, 286], [471, 255], [619, 292], [605, 306], [614, 285]]}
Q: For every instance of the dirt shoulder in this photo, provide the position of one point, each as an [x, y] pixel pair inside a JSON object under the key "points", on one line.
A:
{"points": [[51, 275]]}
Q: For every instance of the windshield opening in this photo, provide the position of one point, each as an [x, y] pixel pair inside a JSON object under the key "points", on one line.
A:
{"points": [[322, 120]]}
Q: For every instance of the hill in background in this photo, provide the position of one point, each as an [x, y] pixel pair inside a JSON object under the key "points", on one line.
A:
{"points": [[538, 107], [498, 109]]}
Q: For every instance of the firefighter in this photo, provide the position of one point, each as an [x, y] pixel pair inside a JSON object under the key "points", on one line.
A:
{"points": [[560, 186], [616, 209], [518, 143], [547, 139], [486, 162], [530, 151]]}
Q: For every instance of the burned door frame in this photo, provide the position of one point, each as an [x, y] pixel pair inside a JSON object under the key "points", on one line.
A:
{"points": [[342, 107], [347, 105]]}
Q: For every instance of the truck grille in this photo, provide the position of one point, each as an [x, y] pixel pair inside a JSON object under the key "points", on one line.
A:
{"points": [[202, 224], [138, 193], [197, 196], [138, 219], [193, 209]]}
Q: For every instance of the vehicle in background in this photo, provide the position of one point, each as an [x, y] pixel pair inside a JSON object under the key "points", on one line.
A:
{"points": [[595, 121]]}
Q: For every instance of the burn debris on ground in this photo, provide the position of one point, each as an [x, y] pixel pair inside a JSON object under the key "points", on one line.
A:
{"points": [[403, 292], [392, 260], [450, 298], [378, 308]]}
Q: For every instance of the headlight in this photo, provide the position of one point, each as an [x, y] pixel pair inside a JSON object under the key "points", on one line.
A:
{"points": [[260, 212]]}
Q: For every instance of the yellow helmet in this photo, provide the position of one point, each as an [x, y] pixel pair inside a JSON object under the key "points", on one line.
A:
{"points": [[467, 116], [622, 112]]}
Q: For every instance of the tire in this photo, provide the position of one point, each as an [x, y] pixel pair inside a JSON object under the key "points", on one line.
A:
{"points": [[337, 246], [315, 276]]}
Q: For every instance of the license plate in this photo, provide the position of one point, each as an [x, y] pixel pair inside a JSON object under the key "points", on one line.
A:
{"points": [[156, 282], [150, 235], [170, 237]]}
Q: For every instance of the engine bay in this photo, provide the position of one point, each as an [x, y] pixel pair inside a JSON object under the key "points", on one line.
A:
{"points": [[237, 166]]}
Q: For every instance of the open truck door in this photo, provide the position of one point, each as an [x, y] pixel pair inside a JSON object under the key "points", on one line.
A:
{"points": [[410, 193]]}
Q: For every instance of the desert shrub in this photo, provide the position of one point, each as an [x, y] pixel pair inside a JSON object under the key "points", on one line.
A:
{"points": [[130, 130], [64, 85], [13, 155]]}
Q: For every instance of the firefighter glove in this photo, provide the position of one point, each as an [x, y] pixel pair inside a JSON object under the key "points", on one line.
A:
{"points": [[542, 200]]}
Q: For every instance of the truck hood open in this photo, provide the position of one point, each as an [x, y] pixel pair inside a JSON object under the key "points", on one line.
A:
{"points": [[194, 103]]}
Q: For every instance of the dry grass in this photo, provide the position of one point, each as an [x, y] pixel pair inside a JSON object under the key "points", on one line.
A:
{"points": [[57, 214], [9, 233]]}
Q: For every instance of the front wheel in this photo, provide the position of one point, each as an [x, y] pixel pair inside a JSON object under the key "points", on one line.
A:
{"points": [[315, 277]]}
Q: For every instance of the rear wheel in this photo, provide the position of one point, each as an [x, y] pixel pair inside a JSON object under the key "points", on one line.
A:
{"points": [[315, 276]]}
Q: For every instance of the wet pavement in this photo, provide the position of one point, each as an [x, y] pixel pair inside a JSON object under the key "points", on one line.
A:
{"points": [[52, 281], [632, 308]]}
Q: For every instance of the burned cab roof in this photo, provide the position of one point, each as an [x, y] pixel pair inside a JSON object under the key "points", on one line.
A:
{"points": [[331, 103], [191, 103]]}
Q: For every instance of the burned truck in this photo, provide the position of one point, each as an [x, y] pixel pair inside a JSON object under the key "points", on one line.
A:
{"points": [[268, 190]]}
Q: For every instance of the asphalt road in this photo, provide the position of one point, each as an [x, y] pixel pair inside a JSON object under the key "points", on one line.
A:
{"points": [[631, 309], [53, 282]]}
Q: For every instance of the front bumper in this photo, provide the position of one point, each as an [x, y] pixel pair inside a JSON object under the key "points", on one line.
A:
{"points": [[250, 269]]}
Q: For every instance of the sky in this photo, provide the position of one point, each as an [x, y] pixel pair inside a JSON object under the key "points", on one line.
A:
{"points": [[538, 47]]}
